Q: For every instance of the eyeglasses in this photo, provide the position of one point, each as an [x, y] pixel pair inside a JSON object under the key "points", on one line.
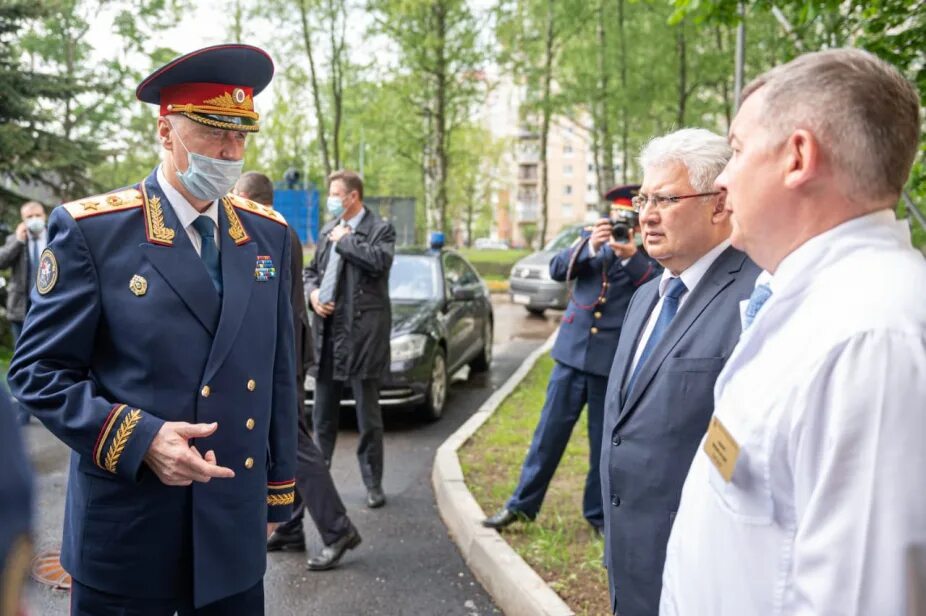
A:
{"points": [[664, 201]]}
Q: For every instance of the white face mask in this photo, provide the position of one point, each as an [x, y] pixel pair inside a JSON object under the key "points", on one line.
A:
{"points": [[208, 178], [35, 225]]}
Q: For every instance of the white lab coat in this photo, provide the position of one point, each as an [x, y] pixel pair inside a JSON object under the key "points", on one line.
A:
{"points": [[826, 396]]}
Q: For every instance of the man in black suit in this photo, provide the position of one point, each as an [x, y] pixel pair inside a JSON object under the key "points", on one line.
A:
{"points": [[348, 287], [315, 489], [678, 332]]}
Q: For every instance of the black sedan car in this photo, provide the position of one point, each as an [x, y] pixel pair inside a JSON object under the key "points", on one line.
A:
{"points": [[441, 321]]}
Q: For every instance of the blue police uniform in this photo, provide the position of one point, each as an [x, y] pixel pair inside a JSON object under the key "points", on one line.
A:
{"points": [[583, 351], [15, 511], [127, 330]]}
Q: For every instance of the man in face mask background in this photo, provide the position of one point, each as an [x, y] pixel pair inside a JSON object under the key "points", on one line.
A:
{"points": [[348, 287], [21, 253], [160, 349]]}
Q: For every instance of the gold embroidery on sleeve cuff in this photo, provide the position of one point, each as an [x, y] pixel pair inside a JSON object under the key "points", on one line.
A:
{"points": [[122, 437], [104, 433], [281, 499]]}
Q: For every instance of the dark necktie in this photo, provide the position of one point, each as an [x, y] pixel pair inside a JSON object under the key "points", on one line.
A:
{"points": [[670, 301], [33, 260], [209, 252]]}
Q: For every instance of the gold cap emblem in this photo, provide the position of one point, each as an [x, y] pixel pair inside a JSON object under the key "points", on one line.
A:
{"points": [[138, 285]]}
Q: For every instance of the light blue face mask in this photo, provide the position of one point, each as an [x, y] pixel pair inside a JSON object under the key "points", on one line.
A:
{"points": [[335, 206], [208, 178]]}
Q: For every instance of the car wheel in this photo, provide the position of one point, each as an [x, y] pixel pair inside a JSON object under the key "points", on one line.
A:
{"points": [[483, 361], [436, 396], [536, 311]]}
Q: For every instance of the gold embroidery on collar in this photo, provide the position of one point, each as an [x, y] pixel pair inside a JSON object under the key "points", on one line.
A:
{"points": [[235, 228], [156, 230], [281, 499], [122, 437]]}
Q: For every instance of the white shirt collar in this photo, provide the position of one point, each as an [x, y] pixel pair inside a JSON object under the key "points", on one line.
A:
{"points": [[353, 222], [184, 210], [809, 255], [694, 272]]}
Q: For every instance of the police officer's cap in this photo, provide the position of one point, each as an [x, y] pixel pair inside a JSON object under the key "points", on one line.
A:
{"points": [[214, 86]]}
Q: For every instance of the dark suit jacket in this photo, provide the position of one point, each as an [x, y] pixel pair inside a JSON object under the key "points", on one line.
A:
{"points": [[362, 319], [14, 254], [301, 332], [588, 333], [651, 437]]}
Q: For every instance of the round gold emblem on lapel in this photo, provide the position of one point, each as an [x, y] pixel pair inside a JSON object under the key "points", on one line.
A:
{"points": [[47, 275], [138, 285]]}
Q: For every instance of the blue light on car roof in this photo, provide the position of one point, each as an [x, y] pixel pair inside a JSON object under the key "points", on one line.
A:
{"points": [[437, 240]]}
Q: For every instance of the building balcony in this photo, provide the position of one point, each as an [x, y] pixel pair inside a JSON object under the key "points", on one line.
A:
{"points": [[527, 212]]}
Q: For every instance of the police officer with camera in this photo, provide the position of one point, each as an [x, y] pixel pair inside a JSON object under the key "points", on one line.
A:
{"points": [[603, 268]]}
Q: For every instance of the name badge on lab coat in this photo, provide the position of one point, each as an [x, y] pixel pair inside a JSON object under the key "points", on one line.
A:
{"points": [[721, 448]]}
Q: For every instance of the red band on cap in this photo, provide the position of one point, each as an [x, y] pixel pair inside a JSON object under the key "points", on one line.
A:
{"points": [[207, 98]]}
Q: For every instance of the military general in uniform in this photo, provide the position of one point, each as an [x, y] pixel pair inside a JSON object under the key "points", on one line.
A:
{"points": [[159, 347]]}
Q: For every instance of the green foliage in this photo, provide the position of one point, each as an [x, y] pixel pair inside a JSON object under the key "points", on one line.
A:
{"points": [[560, 544]]}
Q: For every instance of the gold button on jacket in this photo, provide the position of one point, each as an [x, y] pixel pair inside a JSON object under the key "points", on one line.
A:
{"points": [[249, 424], [205, 391], [252, 385], [248, 463], [594, 330]]}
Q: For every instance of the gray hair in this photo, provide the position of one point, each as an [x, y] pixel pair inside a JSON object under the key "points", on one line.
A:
{"points": [[703, 153], [860, 108]]}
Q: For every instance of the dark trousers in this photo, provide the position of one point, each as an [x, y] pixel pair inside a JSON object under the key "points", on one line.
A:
{"points": [[568, 391], [325, 416], [86, 601], [316, 492]]}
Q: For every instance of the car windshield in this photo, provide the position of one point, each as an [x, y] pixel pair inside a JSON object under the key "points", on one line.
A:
{"points": [[565, 237], [413, 278]]}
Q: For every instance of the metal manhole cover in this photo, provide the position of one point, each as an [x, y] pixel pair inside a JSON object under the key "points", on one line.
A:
{"points": [[47, 569]]}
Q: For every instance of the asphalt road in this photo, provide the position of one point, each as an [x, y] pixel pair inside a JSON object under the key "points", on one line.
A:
{"points": [[407, 564]]}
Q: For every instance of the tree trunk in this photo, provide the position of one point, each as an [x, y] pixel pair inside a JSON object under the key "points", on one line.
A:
{"points": [[724, 83], [682, 75], [440, 128], [337, 75], [605, 166], [319, 115], [545, 124], [625, 121]]}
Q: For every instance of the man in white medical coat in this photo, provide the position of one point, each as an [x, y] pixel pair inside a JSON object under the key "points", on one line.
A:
{"points": [[808, 494]]}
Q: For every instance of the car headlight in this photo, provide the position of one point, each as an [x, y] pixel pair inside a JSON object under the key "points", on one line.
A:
{"points": [[407, 346]]}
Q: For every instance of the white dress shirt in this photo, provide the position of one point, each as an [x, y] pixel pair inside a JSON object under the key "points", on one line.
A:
{"points": [[690, 277], [825, 394], [186, 213]]}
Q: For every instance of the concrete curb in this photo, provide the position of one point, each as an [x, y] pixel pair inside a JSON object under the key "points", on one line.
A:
{"points": [[515, 587]]}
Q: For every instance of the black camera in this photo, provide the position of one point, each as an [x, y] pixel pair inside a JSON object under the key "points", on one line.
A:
{"points": [[623, 221]]}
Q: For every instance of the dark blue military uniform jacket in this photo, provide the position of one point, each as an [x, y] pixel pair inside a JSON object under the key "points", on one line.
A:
{"points": [[601, 292], [126, 331]]}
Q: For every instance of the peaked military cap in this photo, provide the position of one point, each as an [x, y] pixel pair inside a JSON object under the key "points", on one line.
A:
{"points": [[214, 86]]}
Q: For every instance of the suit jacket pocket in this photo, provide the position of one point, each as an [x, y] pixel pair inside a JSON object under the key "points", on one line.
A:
{"points": [[695, 364]]}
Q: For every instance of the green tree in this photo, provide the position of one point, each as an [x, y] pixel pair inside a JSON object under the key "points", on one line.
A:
{"points": [[439, 52]]}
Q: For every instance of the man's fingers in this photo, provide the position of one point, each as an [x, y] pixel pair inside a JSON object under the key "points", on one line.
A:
{"points": [[210, 457], [201, 470], [188, 430]]}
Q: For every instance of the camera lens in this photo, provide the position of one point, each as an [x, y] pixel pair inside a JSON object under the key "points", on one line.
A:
{"points": [[620, 231]]}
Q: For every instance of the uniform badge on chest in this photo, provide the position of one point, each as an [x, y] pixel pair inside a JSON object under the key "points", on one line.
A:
{"points": [[264, 269], [138, 285]]}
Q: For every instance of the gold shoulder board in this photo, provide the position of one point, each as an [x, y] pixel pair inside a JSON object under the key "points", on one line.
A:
{"points": [[256, 208], [103, 204]]}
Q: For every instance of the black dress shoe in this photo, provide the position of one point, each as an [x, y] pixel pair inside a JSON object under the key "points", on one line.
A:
{"points": [[375, 498], [505, 517], [286, 540], [331, 554]]}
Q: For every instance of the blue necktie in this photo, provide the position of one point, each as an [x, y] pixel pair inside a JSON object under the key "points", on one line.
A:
{"points": [[670, 300], [329, 284], [209, 252], [758, 298]]}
